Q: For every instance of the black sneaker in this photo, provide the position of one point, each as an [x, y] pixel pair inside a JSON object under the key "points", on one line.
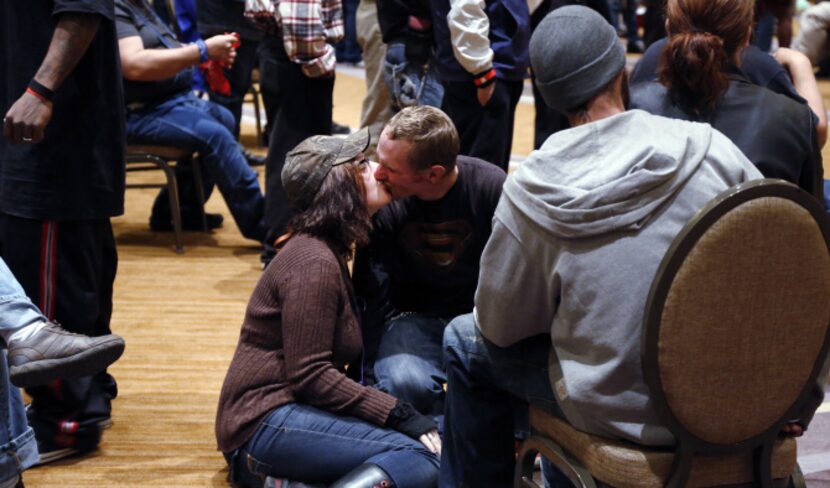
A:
{"points": [[189, 223], [340, 129], [61, 440], [254, 159]]}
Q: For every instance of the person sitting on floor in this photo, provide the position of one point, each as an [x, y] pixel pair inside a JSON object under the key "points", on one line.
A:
{"points": [[420, 268], [701, 80], [578, 234], [286, 397], [161, 110]]}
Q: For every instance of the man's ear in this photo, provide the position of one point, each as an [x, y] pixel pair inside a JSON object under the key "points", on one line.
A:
{"points": [[436, 172]]}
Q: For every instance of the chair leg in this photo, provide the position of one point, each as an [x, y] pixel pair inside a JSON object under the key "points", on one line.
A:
{"points": [[763, 464], [575, 472], [196, 167], [255, 92], [173, 193]]}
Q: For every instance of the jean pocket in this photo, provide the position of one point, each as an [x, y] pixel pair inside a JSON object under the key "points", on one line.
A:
{"points": [[255, 466]]}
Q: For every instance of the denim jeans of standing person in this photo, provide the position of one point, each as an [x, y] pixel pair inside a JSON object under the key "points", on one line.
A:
{"points": [[410, 83], [487, 387], [185, 121], [409, 363], [18, 448], [764, 31], [304, 443], [348, 50]]}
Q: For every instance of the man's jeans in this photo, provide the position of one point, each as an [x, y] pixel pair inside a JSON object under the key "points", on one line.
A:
{"points": [[18, 448], [409, 364], [410, 84], [487, 387], [304, 443], [16, 309], [185, 121]]}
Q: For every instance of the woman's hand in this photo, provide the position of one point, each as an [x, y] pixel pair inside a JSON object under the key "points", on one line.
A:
{"points": [[432, 440], [221, 48]]}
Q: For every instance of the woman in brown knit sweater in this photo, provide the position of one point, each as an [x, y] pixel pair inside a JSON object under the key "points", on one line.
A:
{"points": [[287, 410]]}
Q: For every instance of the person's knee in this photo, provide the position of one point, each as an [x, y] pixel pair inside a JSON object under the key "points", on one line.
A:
{"points": [[406, 376], [460, 334]]}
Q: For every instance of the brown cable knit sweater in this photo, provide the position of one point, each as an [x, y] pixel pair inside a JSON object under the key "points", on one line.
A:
{"points": [[299, 333]]}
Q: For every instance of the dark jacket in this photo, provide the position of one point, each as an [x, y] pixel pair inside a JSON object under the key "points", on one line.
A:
{"points": [[776, 133]]}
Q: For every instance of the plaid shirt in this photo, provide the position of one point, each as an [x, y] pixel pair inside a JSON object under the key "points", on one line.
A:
{"points": [[310, 28]]}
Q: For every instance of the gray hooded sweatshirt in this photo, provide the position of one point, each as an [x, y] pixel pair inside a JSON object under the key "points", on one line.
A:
{"points": [[577, 238]]}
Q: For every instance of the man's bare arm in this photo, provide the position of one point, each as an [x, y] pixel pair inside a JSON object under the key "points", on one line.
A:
{"points": [[28, 117]]}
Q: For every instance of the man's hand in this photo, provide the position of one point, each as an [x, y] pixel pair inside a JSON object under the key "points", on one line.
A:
{"points": [[485, 93], [432, 441], [221, 48], [26, 120]]}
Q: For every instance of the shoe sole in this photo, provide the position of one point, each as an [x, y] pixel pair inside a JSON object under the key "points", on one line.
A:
{"points": [[57, 455], [85, 363]]}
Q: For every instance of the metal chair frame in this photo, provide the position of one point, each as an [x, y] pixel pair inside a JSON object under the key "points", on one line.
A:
{"points": [[142, 160], [687, 444]]}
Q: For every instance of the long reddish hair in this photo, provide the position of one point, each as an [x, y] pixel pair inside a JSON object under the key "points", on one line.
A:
{"points": [[705, 37]]}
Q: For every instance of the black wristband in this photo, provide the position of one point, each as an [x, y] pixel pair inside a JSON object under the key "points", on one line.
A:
{"points": [[41, 90], [406, 420]]}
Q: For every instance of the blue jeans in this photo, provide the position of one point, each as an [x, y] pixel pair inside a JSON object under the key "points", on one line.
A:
{"points": [[488, 388], [827, 194], [18, 448], [16, 309], [765, 31], [410, 84], [304, 443], [186, 121], [409, 365]]}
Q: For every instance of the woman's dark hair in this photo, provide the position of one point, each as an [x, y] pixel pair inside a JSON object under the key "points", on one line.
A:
{"points": [[704, 39], [338, 213]]}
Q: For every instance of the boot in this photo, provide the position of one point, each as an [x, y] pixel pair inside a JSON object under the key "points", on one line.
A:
{"points": [[365, 476]]}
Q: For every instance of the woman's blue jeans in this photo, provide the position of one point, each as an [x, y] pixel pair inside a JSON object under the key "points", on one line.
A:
{"points": [[185, 121], [304, 443]]}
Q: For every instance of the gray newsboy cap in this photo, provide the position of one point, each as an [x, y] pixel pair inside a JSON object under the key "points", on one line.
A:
{"points": [[308, 164], [574, 53]]}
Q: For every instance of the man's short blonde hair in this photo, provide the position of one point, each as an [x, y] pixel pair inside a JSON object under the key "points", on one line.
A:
{"points": [[432, 134]]}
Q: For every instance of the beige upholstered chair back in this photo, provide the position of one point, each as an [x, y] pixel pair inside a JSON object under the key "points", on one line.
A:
{"points": [[738, 316]]}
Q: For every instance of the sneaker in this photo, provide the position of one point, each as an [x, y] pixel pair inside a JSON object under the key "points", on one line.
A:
{"points": [[189, 222], [54, 353], [254, 159], [340, 129]]}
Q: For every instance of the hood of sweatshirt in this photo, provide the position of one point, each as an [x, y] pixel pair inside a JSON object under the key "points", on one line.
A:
{"points": [[607, 175]]}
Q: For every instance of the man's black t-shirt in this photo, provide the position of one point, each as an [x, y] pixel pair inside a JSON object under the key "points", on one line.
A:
{"points": [[136, 18], [431, 250], [77, 171]]}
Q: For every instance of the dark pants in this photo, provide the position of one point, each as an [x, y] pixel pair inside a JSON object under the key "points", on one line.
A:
{"points": [[304, 110], [239, 77], [488, 389], [348, 50], [67, 269], [485, 132]]}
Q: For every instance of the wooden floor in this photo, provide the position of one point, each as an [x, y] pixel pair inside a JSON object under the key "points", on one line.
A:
{"points": [[180, 316]]}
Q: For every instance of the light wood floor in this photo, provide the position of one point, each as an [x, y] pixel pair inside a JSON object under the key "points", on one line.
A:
{"points": [[180, 316]]}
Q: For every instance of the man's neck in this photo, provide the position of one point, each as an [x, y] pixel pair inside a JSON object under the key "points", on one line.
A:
{"points": [[440, 188], [603, 106]]}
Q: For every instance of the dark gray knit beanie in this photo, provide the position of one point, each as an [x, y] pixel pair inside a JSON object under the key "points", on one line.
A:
{"points": [[574, 53]]}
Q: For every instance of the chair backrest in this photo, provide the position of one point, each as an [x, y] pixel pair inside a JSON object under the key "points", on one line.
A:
{"points": [[737, 320]]}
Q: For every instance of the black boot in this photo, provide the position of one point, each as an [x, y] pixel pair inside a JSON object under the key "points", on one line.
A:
{"points": [[365, 476]]}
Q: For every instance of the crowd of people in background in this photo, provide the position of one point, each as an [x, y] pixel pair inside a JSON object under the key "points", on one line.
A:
{"points": [[418, 277]]}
